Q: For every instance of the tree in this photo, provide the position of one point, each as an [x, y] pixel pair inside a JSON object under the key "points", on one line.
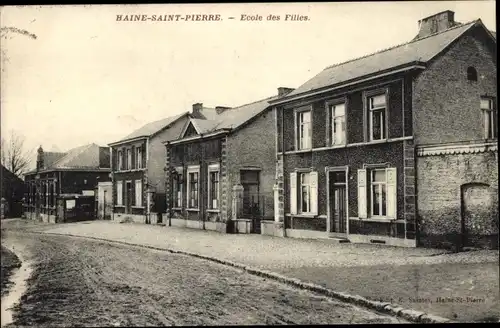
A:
{"points": [[14, 155]]}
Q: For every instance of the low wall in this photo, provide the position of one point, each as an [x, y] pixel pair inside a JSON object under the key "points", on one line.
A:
{"points": [[271, 228], [308, 234], [243, 226]]}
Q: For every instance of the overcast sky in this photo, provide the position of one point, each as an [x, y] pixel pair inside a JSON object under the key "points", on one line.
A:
{"points": [[88, 78]]}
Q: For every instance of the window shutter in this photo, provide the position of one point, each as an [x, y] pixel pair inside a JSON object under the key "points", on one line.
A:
{"points": [[314, 192], [293, 193], [362, 193], [392, 193]]}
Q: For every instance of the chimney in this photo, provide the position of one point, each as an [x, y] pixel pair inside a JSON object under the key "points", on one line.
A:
{"points": [[220, 109], [197, 108], [283, 91], [40, 159], [436, 23]]}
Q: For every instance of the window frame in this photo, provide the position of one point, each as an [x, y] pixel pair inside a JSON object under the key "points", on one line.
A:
{"points": [[213, 168], [190, 170], [138, 157], [298, 124], [369, 112], [300, 210], [120, 159], [330, 105], [178, 181], [119, 193], [129, 159], [488, 113], [380, 185], [138, 192]]}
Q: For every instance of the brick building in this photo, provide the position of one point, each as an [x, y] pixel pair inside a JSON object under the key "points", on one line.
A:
{"points": [[221, 171], [398, 147], [138, 170], [61, 176]]}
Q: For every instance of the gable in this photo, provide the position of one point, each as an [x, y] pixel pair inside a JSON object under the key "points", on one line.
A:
{"points": [[190, 131]]}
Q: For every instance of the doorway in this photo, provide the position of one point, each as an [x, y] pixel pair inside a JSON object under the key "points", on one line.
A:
{"points": [[252, 204], [337, 203]]}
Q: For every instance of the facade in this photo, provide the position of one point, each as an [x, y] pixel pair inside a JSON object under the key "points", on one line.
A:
{"points": [[138, 190], [221, 170], [397, 147], [11, 194], [63, 184]]}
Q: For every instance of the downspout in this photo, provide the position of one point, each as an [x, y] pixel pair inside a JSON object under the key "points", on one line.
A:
{"points": [[148, 194], [201, 178], [283, 161]]}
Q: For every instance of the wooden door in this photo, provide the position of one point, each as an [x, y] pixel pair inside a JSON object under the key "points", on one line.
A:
{"points": [[128, 197], [338, 197]]}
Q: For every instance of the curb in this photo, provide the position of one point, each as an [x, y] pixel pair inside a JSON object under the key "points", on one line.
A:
{"points": [[383, 307]]}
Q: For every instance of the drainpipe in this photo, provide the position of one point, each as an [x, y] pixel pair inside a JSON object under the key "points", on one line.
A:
{"points": [[283, 160], [200, 179], [170, 191]]}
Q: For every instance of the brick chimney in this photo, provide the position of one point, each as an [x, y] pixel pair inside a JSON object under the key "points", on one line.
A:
{"points": [[436, 23], [220, 109], [40, 159], [283, 91], [197, 109]]}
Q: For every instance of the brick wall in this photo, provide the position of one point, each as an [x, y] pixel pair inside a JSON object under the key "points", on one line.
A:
{"points": [[156, 161], [440, 178], [446, 105], [254, 145]]}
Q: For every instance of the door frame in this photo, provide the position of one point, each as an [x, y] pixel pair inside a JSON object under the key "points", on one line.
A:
{"points": [[128, 206], [328, 170]]}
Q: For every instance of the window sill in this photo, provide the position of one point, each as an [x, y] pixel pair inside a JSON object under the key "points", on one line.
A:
{"points": [[374, 219], [120, 206], [213, 211], [308, 216], [177, 208], [192, 209], [138, 207], [128, 171]]}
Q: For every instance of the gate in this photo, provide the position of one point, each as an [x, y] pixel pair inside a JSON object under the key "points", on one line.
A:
{"points": [[255, 208], [479, 219]]}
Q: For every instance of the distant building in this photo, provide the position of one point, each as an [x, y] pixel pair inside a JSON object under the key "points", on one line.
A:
{"points": [[138, 170], [71, 176], [11, 194]]}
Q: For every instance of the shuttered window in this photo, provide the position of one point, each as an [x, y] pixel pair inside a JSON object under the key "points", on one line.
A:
{"points": [[304, 193], [119, 193], [138, 193], [377, 193]]}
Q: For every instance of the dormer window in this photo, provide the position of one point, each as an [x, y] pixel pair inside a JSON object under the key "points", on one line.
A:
{"points": [[471, 74]]}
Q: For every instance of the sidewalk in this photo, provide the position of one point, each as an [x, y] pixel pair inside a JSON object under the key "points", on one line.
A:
{"points": [[467, 282]]}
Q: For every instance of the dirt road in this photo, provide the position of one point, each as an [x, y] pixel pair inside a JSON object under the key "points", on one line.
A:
{"points": [[78, 282]]}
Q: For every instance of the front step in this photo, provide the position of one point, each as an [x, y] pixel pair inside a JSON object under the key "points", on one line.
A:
{"points": [[338, 240]]}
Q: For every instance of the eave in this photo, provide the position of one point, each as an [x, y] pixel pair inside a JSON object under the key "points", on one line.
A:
{"points": [[358, 80], [197, 137]]}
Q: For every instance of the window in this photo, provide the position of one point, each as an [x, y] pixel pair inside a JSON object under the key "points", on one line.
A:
{"points": [[304, 129], [138, 158], [488, 117], [177, 187], [377, 193], [377, 116], [129, 159], [471, 74], [120, 160], [119, 193], [213, 186], [193, 174], [138, 193], [305, 201], [337, 124]]}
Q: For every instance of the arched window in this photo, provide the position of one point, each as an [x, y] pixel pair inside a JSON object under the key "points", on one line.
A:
{"points": [[471, 74]]}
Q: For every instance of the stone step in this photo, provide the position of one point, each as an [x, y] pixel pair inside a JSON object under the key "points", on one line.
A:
{"points": [[338, 240]]}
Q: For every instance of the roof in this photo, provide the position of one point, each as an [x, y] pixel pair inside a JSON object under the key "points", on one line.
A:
{"points": [[152, 128], [231, 118], [416, 51], [82, 157]]}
